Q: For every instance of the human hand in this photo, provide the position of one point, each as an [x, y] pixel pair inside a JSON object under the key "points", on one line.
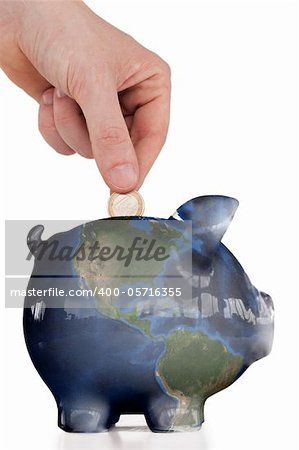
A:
{"points": [[101, 94]]}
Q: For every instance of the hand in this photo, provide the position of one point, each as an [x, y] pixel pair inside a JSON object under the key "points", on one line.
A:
{"points": [[101, 94]]}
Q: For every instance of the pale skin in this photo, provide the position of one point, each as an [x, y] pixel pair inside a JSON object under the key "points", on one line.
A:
{"points": [[100, 93]]}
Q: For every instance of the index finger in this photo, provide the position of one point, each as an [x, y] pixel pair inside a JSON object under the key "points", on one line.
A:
{"points": [[148, 133]]}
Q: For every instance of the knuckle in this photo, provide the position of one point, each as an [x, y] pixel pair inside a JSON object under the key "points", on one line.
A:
{"points": [[162, 74], [76, 81], [76, 74], [82, 79], [166, 68], [163, 68], [112, 136], [157, 67]]}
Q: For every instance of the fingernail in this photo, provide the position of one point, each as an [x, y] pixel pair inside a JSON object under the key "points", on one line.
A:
{"points": [[59, 93], [48, 97], [123, 176]]}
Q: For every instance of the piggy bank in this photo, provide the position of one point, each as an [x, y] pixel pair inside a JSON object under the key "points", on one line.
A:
{"points": [[139, 315]]}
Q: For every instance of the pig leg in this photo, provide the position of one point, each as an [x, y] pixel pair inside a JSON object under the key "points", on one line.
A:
{"points": [[160, 413], [85, 416], [184, 415]]}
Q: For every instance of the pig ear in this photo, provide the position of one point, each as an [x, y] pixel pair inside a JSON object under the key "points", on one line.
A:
{"points": [[34, 238], [211, 216]]}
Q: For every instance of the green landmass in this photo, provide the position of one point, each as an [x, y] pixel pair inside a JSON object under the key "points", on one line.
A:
{"points": [[112, 273], [132, 318], [194, 367]]}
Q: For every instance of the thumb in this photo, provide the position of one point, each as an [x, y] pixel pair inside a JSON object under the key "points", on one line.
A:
{"points": [[110, 139]]}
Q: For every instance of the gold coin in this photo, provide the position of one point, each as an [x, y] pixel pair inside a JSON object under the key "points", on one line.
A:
{"points": [[129, 204]]}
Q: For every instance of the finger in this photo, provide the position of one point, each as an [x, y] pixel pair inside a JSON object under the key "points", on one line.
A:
{"points": [[148, 132], [70, 124], [46, 124], [110, 140], [22, 73]]}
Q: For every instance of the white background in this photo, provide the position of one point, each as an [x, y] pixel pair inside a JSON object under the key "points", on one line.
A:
{"points": [[234, 131]]}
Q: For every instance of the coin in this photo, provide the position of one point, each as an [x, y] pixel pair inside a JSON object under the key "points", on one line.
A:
{"points": [[129, 204]]}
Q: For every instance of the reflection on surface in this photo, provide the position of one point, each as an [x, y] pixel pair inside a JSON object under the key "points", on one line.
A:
{"points": [[132, 432]]}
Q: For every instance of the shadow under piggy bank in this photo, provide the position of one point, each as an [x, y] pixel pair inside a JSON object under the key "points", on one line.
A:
{"points": [[143, 315]]}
